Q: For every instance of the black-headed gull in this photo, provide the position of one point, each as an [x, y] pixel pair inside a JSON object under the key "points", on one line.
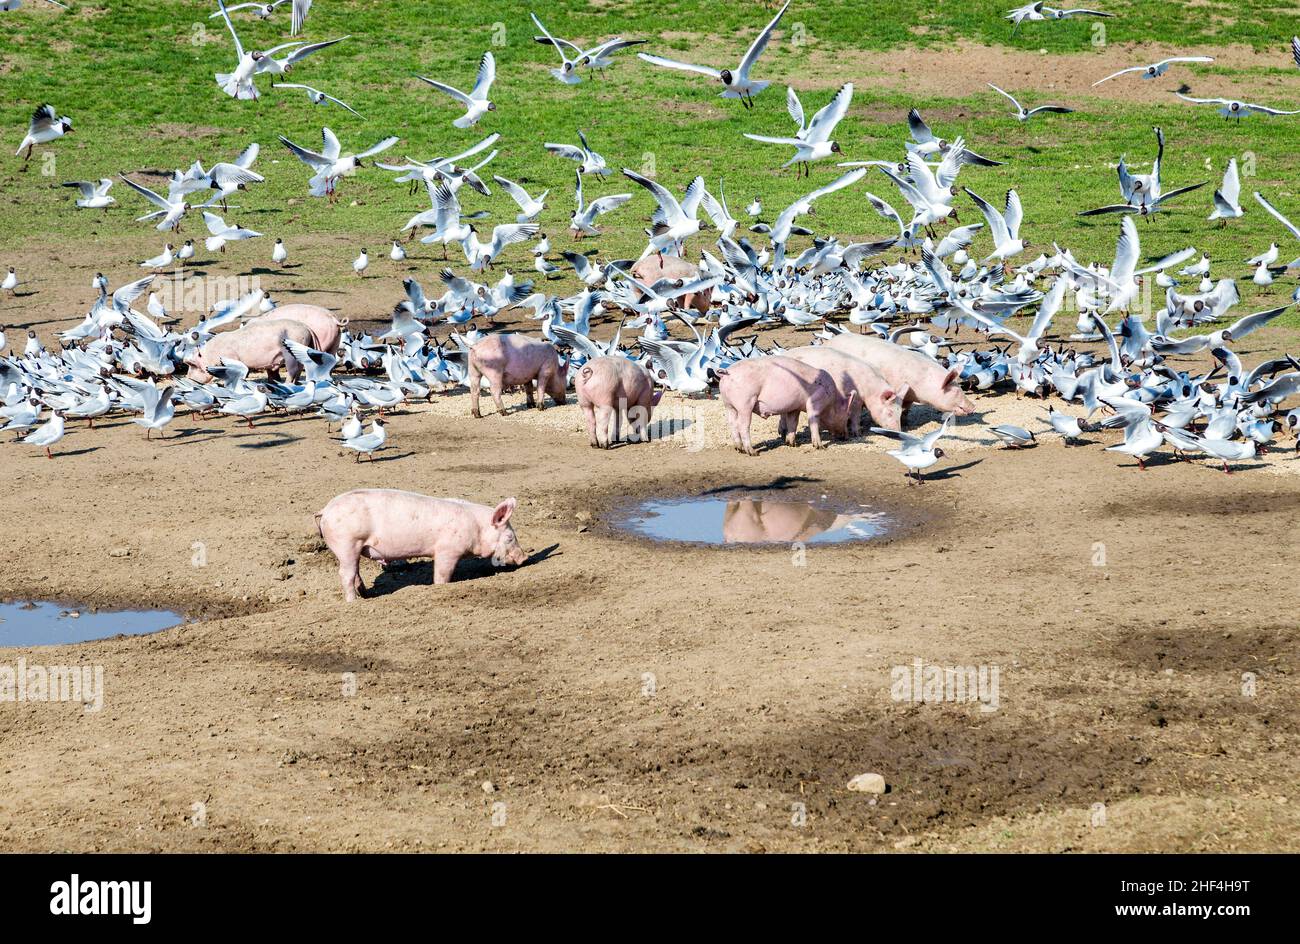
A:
{"points": [[1154, 69], [94, 194], [1232, 108], [589, 161], [737, 84], [260, 10], [582, 222], [1227, 199], [46, 125], [47, 434], [223, 233], [279, 254], [917, 452], [171, 210], [477, 104], [316, 96], [330, 163], [529, 206], [1023, 113], [369, 443], [813, 141], [239, 83], [597, 58]]}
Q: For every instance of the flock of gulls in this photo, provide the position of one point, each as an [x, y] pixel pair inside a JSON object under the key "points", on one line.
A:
{"points": [[688, 327]]}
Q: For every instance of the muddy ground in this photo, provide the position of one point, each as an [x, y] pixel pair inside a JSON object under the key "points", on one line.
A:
{"points": [[618, 695]]}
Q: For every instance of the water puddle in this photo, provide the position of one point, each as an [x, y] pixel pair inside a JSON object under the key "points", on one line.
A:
{"points": [[48, 624], [754, 520]]}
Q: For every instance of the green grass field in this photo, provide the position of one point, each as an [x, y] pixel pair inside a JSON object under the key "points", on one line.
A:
{"points": [[137, 79]]}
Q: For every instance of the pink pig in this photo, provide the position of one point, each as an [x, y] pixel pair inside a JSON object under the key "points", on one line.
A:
{"points": [[258, 345], [614, 392], [777, 385], [654, 267], [321, 321], [386, 524], [883, 403], [925, 379], [512, 360]]}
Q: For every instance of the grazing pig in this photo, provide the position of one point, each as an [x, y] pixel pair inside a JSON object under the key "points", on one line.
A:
{"points": [[613, 392], [322, 323], [883, 402], [777, 385], [655, 267], [925, 379], [512, 360], [386, 524], [258, 345]]}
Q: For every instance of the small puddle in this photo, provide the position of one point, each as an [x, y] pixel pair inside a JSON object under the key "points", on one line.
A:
{"points": [[49, 624], [754, 520]]}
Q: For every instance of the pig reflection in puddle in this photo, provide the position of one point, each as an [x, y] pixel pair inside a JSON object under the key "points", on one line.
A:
{"points": [[753, 521]]}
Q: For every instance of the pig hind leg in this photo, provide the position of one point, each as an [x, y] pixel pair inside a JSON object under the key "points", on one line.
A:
{"points": [[589, 414]]}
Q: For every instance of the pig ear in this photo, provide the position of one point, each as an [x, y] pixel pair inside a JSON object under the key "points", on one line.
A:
{"points": [[887, 396], [501, 514], [951, 379]]}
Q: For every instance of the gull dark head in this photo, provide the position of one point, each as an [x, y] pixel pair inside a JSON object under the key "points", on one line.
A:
{"points": [[66, 123], [835, 147], [726, 76], [492, 106], [938, 453]]}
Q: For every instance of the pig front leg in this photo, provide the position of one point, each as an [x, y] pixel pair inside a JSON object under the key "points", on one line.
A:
{"points": [[814, 426], [444, 565], [788, 427]]}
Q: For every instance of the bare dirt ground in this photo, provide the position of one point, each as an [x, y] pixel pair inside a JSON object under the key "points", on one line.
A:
{"points": [[1121, 681]]}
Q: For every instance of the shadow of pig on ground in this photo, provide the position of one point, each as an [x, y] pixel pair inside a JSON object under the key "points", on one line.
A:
{"points": [[419, 573]]}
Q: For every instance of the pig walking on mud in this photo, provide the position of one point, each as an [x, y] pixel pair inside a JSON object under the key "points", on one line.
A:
{"points": [[779, 386], [387, 524], [615, 394], [512, 360]]}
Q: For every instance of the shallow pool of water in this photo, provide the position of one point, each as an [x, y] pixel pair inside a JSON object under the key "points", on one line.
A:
{"points": [[753, 520], [48, 624]]}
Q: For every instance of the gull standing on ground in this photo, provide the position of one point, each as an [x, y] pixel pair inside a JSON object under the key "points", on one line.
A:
{"points": [[737, 84], [370, 443], [917, 452], [361, 263], [477, 104], [161, 261], [47, 434], [279, 253], [1024, 114]]}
